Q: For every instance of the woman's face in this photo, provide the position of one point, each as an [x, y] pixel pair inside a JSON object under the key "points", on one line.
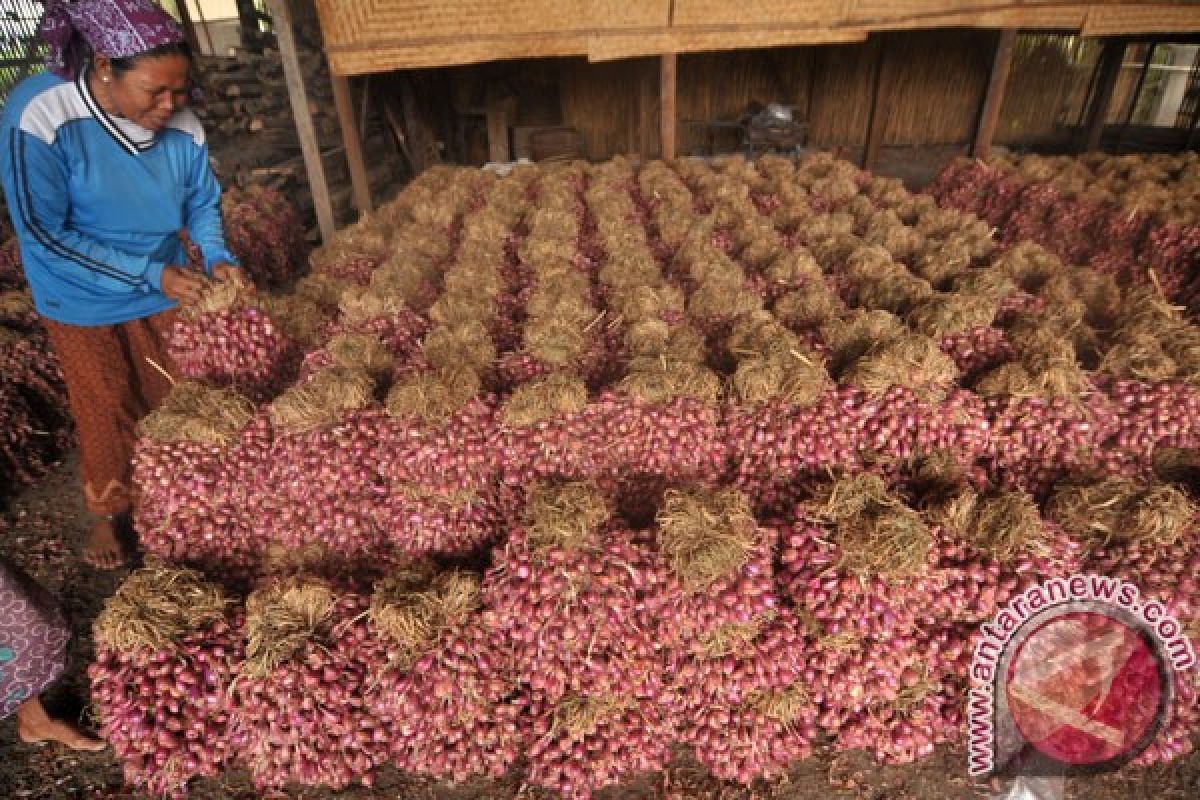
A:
{"points": [[151, 91]]}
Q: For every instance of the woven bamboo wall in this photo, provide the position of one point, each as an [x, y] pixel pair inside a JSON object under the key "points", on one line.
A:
{"points": [[383, 35]]}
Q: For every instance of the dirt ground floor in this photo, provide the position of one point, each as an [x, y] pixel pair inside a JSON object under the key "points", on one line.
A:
{"points": [[46, 525]]}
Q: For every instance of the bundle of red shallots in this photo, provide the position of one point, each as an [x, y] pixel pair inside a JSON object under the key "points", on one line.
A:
{"points": [[167, 646]]}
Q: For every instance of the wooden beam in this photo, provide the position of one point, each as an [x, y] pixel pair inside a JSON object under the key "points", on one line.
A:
{"points": [[352, 142], [1106, 82], [993, 97], [881, 108], [298, 98], [668, 94]]}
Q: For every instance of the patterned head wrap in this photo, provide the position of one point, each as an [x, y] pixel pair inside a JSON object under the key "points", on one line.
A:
{"points": [[111, 28]]}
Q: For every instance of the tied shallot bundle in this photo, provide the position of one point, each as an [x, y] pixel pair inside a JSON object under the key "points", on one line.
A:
{"points": [[858, 561], [778, 445], [35, 427], [923, 714], [197, 467], [166, 650], [378, 345], [582, 743], [1038, 440], [748, 714], [437, 434], [581, 603], [1143, 532], [421, 521], [1152, 417], [11, 275], [990, 547], [299, 714], [354, 254], [264, 230], [446, 689], [226, 339], [663, 422], [1150, 537], [977, 350], [323, 479], [721, 560]]}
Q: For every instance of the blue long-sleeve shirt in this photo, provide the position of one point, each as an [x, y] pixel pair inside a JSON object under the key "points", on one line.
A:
{"points": [[98, 202]]}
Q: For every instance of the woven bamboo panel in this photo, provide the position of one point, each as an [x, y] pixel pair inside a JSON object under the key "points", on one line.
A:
{"points": [[1158, 18], [365, 36], [377, 35], [814, 13]]}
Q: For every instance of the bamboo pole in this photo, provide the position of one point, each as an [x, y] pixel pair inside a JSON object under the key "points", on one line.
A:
{"points": [[352, 141], [1110, 69], [668, 97], [880, 108], [993, 97], [298, 97]]}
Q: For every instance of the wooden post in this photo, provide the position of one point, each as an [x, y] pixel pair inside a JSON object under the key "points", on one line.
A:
{"points": [[298, 98], [499, 113], [189, 29], [352, 142], [1110, 69], [881, 106], [989, 112], [668, 97], [1137, 90], [647, 115], [212, 51]]}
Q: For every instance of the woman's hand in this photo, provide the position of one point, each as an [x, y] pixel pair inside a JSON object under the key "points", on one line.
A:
{"points": [[225, 271], [181, 284]]}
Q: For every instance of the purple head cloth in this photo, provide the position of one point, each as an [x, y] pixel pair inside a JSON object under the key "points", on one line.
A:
{"points": [[112, 28]]}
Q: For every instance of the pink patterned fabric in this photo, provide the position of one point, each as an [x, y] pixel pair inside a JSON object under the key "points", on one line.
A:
{"points": [[33, 638], [112, 28]]}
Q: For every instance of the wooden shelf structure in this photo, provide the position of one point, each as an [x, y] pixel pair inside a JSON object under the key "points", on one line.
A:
{"points": [[370, 36]]}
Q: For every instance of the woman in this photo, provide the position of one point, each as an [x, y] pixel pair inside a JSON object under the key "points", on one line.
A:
{"points": [[33, 648], [104, 170]]}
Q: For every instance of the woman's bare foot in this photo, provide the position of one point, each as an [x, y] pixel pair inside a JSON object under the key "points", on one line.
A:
{"points": [[35, 725], [102, 549]]}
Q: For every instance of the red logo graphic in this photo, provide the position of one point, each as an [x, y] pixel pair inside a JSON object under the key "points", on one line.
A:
{"points": [[1085, 689]]}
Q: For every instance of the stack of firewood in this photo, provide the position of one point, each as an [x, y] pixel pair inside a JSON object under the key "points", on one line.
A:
{"points": [[253, 137]]}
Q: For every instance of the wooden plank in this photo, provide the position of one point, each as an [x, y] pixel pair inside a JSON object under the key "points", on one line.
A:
{"points": [[612, 46], [668, 98], [298, 97], [352, 141], [993, 97], [1109, 70], [880, 106]]}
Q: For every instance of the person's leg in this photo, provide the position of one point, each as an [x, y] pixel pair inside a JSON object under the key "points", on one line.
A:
{"points": [[35, 725], [95, 365], [152, 365]]}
